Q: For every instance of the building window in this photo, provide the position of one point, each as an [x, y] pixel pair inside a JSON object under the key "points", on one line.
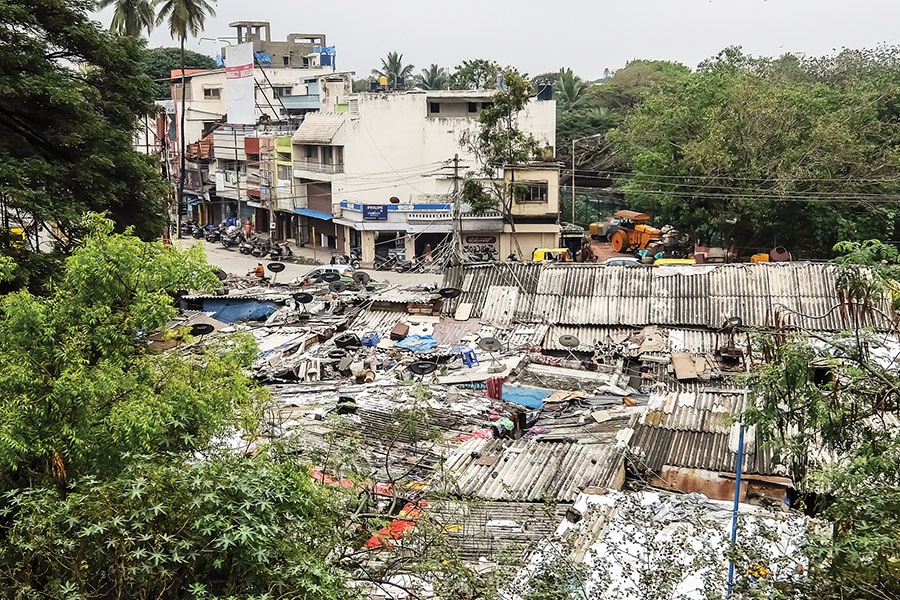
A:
{"points": [[282, 91], [212, 93], [486, 105], [284, 172], [473, 107], [287, 60], [434, 107], [529, 192]]}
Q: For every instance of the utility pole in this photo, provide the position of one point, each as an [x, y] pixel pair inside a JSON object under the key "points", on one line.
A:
{"points": [[237, 177], [572, 182], [458, 248]]}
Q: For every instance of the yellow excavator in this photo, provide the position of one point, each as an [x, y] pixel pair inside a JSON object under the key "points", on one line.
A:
{"points": [[630, 231]]}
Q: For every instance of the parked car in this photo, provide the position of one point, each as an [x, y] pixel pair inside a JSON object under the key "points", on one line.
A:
{"points": [[621, 261]]}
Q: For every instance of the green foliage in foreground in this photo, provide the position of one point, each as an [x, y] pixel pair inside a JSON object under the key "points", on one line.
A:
{"points": [[79, 389], [225, 527], [827, 404]]}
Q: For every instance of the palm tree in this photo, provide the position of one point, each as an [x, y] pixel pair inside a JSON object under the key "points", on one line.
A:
{"points": [[394, 70], [184, 17], [130, 17], [569, 88], [433, 78]]}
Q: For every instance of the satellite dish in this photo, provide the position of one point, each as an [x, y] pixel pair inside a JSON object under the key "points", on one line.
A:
{"points": [[490, 344], [361, 277], [275, 267], [449, 292], [735, 322], [337, 287], [198, 329], [569, 341], [330, 276], [422, 367], [302, 298]]}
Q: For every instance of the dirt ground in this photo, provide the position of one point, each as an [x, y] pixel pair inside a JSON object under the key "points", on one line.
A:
{"points": [[603, 250]]}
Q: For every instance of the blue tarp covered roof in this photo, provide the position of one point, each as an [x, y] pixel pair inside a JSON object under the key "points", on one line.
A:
{"points": [[315, 214]]}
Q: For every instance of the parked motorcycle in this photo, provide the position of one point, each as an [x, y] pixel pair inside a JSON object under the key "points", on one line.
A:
{"points": [[233, 239], [261, 247], [280, 251], [213, 234], [385, 264], [198, 233], [405, 266], [245, 246]]}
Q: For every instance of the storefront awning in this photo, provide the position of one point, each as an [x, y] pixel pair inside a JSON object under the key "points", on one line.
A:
{"points": [[314, 214]]}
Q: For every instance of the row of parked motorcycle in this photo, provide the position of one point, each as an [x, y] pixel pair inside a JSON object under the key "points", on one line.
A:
{"points": [[234, 237]]}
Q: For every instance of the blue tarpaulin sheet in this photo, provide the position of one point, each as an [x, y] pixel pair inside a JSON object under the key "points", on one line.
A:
{"points": [[525, 396], [417, 343]]}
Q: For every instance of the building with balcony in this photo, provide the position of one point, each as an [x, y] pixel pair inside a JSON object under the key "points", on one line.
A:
{"points": [[291, 78], [381, 174]]}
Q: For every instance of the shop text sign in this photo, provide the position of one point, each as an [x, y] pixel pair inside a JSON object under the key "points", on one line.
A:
{"points": [[374, 212]]}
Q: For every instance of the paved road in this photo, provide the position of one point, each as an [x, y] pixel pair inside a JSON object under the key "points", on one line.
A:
{"points": [[232, 261]]}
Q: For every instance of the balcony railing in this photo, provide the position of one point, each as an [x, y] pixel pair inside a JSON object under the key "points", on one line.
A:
{"points": [[317, 167]]}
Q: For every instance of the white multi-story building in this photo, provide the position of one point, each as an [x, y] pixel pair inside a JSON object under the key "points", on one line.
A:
{"points": [[380, 175]]}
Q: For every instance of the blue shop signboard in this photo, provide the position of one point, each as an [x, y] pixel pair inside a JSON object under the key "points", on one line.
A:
{"points": [[374, 212]]}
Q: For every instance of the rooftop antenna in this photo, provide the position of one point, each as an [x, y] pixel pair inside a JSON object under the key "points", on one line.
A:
{"points": [[302, 299], [492, 345], [421, 368], [276, 268], [569, 342]]}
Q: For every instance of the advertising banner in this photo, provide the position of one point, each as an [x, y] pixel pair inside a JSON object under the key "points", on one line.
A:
{"points": [[240, 99]]}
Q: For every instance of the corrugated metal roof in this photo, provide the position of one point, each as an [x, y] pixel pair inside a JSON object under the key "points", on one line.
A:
{"points": [[696, 430], [692, 340], [318, 128], [494, 529], [526, 470], [761, 294]]}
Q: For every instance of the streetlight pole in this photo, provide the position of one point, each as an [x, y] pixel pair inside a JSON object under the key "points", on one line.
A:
{"points": [[587, 137]]}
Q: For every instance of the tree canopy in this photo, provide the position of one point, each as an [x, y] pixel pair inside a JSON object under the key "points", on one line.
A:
{"points": [[69, 97], [159, 63], [768, 152], [394, 70]]}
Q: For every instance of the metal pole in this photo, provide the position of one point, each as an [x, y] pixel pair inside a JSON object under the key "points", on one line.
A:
{"points": [[572, 183], [737, 499], [315, 257], [237, 176]]}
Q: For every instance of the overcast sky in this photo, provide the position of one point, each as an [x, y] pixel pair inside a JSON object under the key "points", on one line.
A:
{"points": [[536, 37]]}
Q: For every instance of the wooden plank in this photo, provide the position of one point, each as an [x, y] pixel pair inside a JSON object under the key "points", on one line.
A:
{"points": [[684, 366]]}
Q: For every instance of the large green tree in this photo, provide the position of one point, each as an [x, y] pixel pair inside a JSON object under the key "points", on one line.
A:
{"points": [[69, 98], [476, 74], [394, 70], [159, 63], [766, 152], [184, 17], [569, 89], [433, 78], [131, 17]]}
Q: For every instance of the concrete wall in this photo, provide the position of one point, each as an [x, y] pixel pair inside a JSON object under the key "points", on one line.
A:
{"points": [[393, 148]]}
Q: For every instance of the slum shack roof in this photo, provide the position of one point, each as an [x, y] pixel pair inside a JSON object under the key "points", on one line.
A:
{"points": [[696, 431], [527, 470], [702, 296], [490, 530]]}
